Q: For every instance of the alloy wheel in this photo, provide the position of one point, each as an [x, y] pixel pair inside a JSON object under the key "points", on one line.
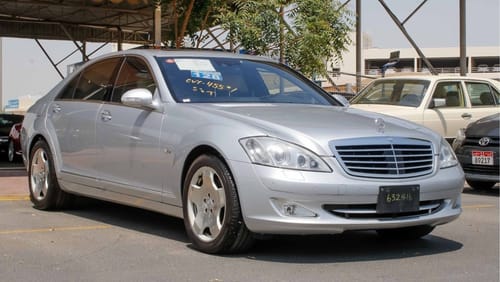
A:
{"points": [[206, 204], [39, 174]]}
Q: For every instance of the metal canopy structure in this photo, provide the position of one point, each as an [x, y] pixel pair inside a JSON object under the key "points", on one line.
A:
{"points": [[138, 21], [127, 21]]}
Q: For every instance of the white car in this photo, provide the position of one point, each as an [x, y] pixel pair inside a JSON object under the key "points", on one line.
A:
{"points": [[443, 104]]}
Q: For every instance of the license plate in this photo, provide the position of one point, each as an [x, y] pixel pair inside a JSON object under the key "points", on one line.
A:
{"points": [[482, 157], [398, 199]]}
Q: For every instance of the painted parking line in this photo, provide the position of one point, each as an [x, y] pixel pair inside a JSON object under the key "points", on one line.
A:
{"points": [[55, 229], [6, 198]]}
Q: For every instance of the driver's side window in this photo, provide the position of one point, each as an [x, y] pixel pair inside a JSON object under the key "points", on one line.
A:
{"points": [[448, 95], [134, 73]]}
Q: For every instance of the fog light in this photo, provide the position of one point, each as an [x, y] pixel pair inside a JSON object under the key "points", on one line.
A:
{"points": [[288, 208]]}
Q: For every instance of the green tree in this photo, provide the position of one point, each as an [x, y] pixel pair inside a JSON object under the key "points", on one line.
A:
{"points": [[306, 34], [189, 17]]}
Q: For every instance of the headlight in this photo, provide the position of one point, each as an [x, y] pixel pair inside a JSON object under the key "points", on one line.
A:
{"points": [[447, 157], [457, 143], [278, 153]]}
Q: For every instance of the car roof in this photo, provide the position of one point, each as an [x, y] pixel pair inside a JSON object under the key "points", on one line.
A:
{"points": [[437, 78], [201, 53]]}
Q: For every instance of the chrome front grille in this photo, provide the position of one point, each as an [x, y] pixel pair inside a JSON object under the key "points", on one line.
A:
{"points": [[384, 157]]}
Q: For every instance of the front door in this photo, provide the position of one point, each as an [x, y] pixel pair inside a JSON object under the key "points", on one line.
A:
{"points": [[129, 155]]}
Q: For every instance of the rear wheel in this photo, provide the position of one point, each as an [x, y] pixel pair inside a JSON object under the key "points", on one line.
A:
{"points": [[481, 185], [212, 213], [45, 193], [406, 233]]}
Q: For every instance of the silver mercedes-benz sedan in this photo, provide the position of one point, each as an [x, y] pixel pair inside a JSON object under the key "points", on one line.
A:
{"points": [[237, 146]]}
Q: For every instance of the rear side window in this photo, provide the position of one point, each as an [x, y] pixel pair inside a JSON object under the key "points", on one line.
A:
{"points": [[481, 94], [133, 74], [95, 82]]}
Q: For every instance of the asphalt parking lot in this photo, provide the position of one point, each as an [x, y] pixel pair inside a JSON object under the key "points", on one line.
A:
{"points": [[99, 241]]}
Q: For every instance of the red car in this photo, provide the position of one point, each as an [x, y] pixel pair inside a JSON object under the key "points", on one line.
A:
{"points": [[14, 147], [7, 121]]}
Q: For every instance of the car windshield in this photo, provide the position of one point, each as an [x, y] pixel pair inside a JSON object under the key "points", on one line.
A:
{"points": [[393, 92], [229, 80]]}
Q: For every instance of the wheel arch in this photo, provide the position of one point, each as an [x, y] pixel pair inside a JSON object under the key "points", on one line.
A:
{"points": [[195, 153], [36, 138]]}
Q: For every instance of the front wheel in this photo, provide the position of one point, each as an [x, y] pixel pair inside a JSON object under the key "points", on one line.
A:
{"points": [[212, 213], [45, 193], [406, 233]]}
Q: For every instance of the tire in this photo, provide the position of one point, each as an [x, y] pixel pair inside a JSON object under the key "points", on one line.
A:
{"points": [[45, 193], [212, 213], [481, 185], [11, 152], [406, 233]]}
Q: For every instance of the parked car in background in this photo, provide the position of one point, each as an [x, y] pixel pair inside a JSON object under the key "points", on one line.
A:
{"points": [[6, 123], [347, 95], [14, 147], [443, 104], [483, 68], [236, 146], [477, 149]]}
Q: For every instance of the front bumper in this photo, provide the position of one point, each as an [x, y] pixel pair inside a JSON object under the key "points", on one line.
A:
{"points": [[263, 189], [474, 172]]}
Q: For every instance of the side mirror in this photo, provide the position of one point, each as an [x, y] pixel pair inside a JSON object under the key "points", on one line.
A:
{"points": [[138, 97], [437, 102], [343, 100]]}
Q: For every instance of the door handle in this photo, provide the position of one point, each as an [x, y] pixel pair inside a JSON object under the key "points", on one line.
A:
{"points": [[106, 116], [56, 108], [466, 115]]}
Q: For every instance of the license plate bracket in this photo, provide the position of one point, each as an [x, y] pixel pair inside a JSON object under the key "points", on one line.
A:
{"points": [[398, 199]]}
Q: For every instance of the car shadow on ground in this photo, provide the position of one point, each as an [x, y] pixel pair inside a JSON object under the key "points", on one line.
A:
{"points": [[493, 192], [346, 247], [130, 218]]}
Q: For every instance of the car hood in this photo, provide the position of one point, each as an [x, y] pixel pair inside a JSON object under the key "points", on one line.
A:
{"points": [[487, 126], [314, 126]]}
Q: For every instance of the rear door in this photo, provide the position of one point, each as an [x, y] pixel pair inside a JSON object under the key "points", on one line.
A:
{"points": [[483, 99]]}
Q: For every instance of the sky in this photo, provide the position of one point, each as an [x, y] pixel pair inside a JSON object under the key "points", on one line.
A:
{"points": [[27, 71], [436, 23]]}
